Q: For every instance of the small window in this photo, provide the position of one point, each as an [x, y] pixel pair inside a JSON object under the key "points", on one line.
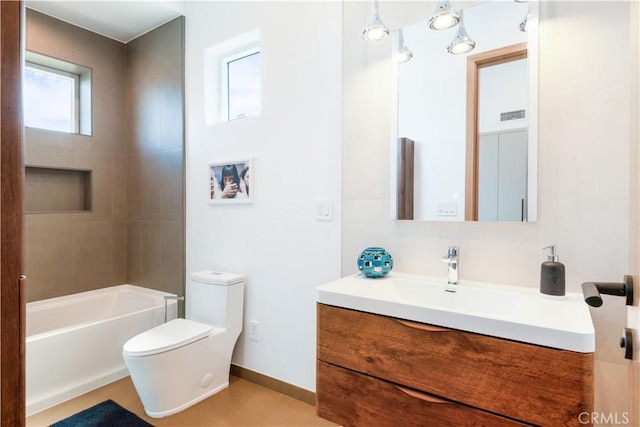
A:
{"points": [[50, 99], [57, 95], [233, 78], [243, 85]]}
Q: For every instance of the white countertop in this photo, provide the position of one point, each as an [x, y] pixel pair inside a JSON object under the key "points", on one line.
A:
{"points": [[511, 312]]}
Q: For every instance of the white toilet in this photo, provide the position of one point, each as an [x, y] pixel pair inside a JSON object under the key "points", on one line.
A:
{"points": [[179, 363]]}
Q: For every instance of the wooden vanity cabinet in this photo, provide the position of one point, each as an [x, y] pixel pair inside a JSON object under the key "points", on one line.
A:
{"points": [[374, 370]]}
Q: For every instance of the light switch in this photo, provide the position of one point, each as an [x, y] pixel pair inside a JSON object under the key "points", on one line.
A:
{"points": [[324, 210], [447, 208]]}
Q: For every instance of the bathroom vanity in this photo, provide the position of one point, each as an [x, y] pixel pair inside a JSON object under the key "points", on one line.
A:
{"points": [[412, 351]]}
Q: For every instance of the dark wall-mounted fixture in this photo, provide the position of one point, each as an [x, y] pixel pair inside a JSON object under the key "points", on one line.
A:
{"points": [[626, 342], [592, 291]]}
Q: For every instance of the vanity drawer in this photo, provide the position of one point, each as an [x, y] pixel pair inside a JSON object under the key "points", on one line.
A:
{"points": [[352, 399], [538, 385]]}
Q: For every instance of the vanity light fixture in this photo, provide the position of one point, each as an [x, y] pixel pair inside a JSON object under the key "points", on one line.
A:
{"points": [[444, 17], [376, 30], [462, 43], [403, 54]]}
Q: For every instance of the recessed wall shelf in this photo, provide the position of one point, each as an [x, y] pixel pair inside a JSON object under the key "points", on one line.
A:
{"points": [[54, 190]]}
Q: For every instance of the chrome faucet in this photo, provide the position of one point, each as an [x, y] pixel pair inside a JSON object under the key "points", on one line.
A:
{"points": [[452, 263]]}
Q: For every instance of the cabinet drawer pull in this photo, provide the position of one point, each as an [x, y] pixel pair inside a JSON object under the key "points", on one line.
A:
{"points": [[421, 396], [422, 326]]}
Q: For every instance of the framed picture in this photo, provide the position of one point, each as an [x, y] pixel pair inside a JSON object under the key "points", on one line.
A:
{"points": [[231, 181]]}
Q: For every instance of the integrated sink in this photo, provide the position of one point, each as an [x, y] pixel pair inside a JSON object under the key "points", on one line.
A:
{"points": [[462, 298], [512, 312]]}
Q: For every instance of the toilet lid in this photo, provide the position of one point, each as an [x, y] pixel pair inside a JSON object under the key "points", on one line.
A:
{"points": [[170, 335]]}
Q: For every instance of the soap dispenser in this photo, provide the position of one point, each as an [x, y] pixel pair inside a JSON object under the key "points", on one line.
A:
{"points": [[552, 275]]}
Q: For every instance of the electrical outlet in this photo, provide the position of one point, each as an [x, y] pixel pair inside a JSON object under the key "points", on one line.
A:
{"points": [[253, 330]]}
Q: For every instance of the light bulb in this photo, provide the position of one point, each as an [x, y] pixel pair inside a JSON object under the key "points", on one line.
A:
{"points": [[444, 17]]}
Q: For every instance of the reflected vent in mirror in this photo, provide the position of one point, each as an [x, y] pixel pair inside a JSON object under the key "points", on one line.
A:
{"points": [[512, 115]]}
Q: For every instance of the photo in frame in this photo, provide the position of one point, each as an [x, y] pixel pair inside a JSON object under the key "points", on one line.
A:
{"points": [[231, 181]]}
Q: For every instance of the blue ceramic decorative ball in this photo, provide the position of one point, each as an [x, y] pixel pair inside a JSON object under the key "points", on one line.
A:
{"points": [[375, 262]]}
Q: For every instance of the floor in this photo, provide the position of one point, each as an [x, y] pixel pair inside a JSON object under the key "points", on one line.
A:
{"points": [[243, 404]]}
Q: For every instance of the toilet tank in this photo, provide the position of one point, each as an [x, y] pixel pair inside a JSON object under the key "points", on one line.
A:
{"points": [[216, 298]]}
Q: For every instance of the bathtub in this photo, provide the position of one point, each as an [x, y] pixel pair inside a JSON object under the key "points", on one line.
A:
{"points": [[74, 343]]}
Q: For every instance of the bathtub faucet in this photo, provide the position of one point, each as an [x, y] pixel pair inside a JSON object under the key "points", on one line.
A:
{"points": [[166, 299]]}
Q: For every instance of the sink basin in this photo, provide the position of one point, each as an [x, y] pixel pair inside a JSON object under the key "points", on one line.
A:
{"points": [[511, 312], [463, 298]]}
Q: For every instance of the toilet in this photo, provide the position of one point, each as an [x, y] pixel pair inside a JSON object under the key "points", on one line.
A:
{"points": [[179, 363]]}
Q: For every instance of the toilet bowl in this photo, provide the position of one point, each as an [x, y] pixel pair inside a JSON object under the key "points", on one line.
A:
{"points": [[179, 363]]}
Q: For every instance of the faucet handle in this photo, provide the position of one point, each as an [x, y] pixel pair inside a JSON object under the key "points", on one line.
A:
{"points": [[453, 251]]}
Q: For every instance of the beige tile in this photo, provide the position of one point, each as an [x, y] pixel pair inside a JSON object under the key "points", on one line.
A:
{"points": [[119, 179], [171, 107], [149, 192], [47, 148], [242, 404], [169, 185], [92, 252], [119, 252], [48, 36], [134, 183], [100, 166], [156, 183], [109, 118], [105, 56], [48, 255], [134, 252], [143, 125], [161, 256]]}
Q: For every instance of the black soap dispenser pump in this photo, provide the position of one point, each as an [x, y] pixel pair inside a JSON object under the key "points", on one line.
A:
{"points": [[552, 276]]}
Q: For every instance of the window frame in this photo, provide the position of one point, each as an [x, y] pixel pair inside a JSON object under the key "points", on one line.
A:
{"points": [[225, 60], [83, 89], [75, 122]]}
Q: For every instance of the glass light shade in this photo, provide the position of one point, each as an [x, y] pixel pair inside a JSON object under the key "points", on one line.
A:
{"points": [[444, 17], [462, 43], [403, 54], [458, 47], [376, 30]]}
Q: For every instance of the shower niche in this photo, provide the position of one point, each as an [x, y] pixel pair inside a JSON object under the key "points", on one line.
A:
{"points": [[49, 190]]}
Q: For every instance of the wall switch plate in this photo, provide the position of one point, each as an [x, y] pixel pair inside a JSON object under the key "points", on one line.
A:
{"points": [[253, 330], [324, 210], [447, 208]]}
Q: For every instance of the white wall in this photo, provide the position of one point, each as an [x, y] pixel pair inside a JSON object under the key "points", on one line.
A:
{"points": [[277, 242], [583, 179]]}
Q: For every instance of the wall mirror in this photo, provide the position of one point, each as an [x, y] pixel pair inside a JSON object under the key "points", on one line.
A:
{"points": [[464, 140]]}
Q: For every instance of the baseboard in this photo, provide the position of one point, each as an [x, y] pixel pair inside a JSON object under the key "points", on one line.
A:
{"points": [[274, 384]]}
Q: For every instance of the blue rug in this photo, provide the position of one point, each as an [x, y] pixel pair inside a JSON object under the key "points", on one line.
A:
{"points": [[105, 414]]}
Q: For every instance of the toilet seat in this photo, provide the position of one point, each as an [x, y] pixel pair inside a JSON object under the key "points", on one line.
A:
{"points": [[165, 337]]}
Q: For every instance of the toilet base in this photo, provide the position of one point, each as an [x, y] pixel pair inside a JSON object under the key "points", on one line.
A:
{"points": [[170, 382], [184, 406]]}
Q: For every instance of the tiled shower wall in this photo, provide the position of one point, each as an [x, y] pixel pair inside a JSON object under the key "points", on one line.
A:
{"points": [[130, 221], [155, 157]]}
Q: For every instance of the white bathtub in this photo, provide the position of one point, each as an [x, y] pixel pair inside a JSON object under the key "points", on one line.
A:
{"points": [[74, 342]]}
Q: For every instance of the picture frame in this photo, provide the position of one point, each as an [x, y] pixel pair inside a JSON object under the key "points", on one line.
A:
{"points": [[231, 181]]}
